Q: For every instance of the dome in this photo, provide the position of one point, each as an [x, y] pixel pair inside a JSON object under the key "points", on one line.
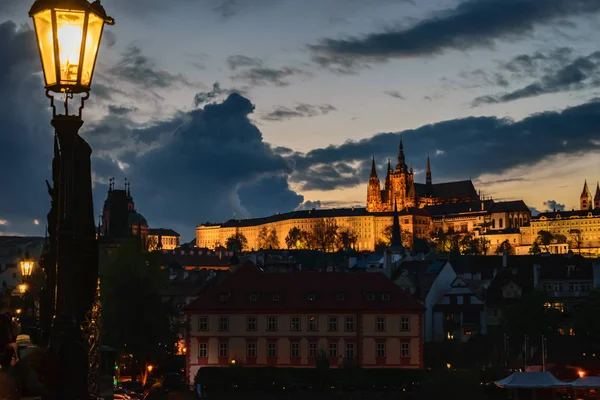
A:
{"points": [[135, 219]]}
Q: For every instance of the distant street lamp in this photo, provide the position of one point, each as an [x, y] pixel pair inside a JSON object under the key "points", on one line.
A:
{"points": [[68, 34]]}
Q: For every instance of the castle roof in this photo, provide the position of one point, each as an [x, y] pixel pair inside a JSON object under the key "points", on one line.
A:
{"points": [[509, 206], [317, 213], [162, 232], [448, 190], [567, 214], [293, 289], [459, 208]]}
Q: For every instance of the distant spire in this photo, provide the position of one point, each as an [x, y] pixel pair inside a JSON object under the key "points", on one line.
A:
{"points": [[428, 176], [396, 236], [597, 195], [388, 176], [585, 192], [373, 169], [401, 166]]}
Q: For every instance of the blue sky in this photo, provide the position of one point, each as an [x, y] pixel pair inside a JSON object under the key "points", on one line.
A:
{"points": [[500, 91]]}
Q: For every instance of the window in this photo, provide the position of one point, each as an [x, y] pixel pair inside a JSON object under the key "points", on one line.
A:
{"points": [[380, 350], [295, 350], [253, 297], [500, 223], [349, 350], [333, 324], [272, 349], [223, 324], [313, 324], [224, 296], [350, 325], [385, 296], [380, 324], [340, 297], [203, 324], [332, 350], [250, 323], [251, 349], [404, 324], [275, 297], [295, 324], [405, 350], [223, 350], [312, 296], [271, 324], [202, 350], [312, 350], [370, 296]]}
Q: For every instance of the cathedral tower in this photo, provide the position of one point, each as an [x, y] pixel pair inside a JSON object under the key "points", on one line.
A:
{"points": [[585, 200], [374, 191], [597, 197]]}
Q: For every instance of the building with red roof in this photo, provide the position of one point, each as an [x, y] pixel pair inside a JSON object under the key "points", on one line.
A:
{"points": [[285, 319]]}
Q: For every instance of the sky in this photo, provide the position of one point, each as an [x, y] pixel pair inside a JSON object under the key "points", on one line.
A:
{"points": [[215, 109]]}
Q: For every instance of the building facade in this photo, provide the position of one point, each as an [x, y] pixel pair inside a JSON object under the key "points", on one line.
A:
{"points": [[289, 319], [368, 227], [400, 188], [163, 239]]}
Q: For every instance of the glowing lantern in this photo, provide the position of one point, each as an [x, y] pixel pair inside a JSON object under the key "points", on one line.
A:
{"points": [[68, 34], [26, 266]]}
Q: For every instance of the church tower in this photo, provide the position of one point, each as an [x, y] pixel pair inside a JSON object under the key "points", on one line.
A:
{"points": [[374, 191], [585, 200], [597, 197]]}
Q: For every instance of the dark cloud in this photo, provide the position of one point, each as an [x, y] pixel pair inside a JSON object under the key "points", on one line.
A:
{"points": [[582, 73], [471, 24], [241, 61], [552, 205], [214, 154], [121, 110], [261, 76], [109, 39], [25, 133], [395, 94], [229, 8], [301, 110], [464, 147], [140, 70]]}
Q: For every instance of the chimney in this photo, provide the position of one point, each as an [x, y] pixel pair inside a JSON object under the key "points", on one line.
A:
{"points": [[504, 259]]}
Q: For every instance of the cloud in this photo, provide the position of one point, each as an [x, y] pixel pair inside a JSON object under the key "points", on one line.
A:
{"points": [[261, 76], [582, 73], [241, 61], [26, 135], [138, 69], [216, 92], [302, 110], [395, 94], [469, 25], [214, 154], [552, 205], [120, 110], [309, 205], [471, 147], [229, 8]]}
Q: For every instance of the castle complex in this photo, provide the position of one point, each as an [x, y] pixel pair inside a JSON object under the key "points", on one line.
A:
{"points": [[400, 188]]}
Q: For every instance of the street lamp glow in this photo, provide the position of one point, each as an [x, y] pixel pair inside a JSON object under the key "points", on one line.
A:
{"points": [[68, 34], [22, 288], [150, 367], [581, 373], [26, 266]]}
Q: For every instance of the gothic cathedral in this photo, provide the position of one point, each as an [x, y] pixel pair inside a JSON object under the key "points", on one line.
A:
{"points": [[400, 188]]}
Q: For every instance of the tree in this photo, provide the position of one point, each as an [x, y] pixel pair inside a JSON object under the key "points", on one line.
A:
{"points": [[505, 247], [262, 239], [136, 322], [324, 234], [576, 239], [545, 238], [272, 239], [470, 245], [535, 249], [292, 240], [447, 242], [236, 242], [346, 239]]}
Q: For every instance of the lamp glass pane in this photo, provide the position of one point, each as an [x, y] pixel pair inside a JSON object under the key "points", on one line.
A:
{"points": [[92, 42], [69, 26], [45, 38]]}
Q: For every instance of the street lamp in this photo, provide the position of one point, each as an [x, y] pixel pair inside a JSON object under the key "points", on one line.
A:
{"points": [[26, 266], [68, 34]]}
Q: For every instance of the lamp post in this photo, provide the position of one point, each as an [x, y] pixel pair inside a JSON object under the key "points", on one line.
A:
{"points": [[68, 34]]}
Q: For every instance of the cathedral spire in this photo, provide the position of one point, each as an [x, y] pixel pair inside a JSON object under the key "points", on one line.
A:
{"points": [[388, 181], [585, 192], [428, 176], [401, 166], [585, 200], [396, 236], [373, 169], [597, 196]]}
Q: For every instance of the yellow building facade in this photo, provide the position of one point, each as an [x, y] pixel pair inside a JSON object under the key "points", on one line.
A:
{"points": [[368, 227]]}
